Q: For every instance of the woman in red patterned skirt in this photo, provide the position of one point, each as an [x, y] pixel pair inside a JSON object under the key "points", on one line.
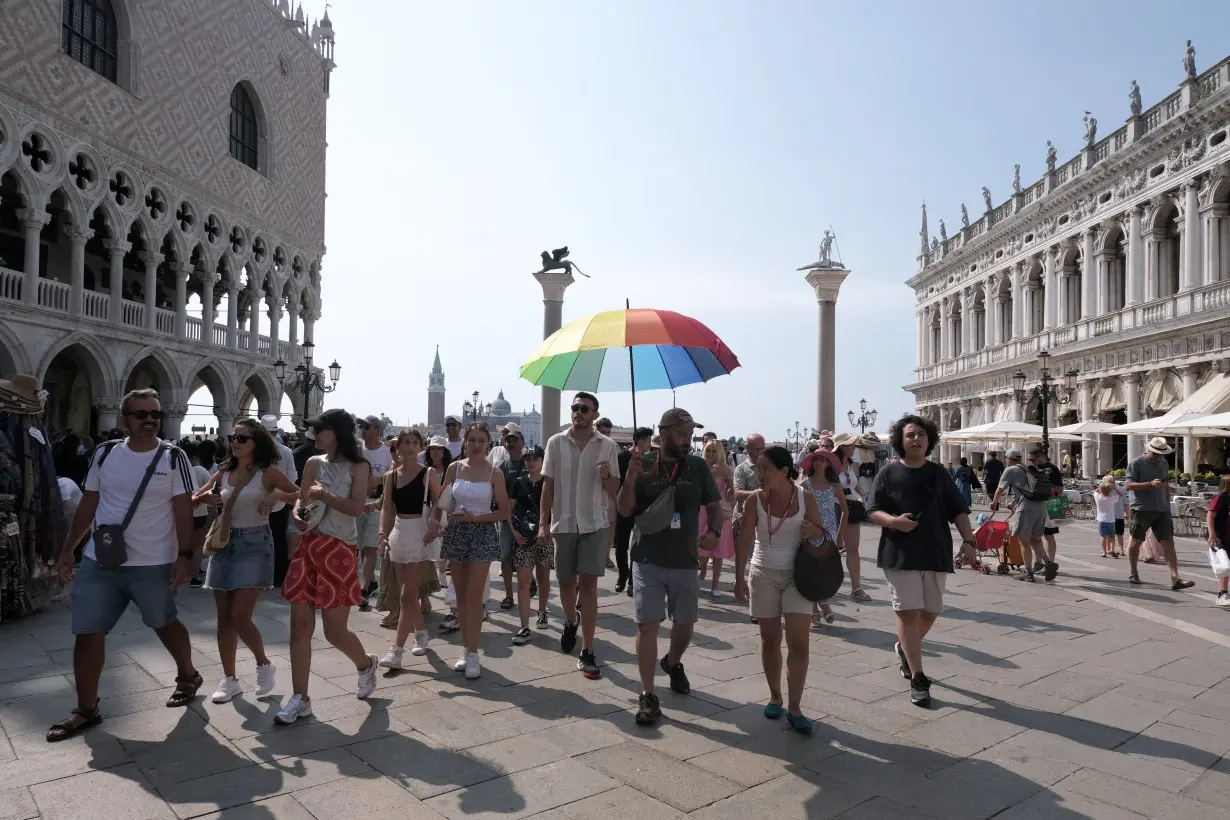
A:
{"points": [[323, 573]]}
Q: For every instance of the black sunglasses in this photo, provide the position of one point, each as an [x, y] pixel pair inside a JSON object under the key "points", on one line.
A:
{"points": [[239, 438], [583, 409], [145, 414]]}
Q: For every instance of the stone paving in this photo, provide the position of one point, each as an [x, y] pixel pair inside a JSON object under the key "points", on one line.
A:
{"points": [[1082, 698]]}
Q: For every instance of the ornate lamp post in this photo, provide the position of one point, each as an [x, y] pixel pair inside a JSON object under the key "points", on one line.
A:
{"points": [[304, 379], [475, 411], [865, 419], [794, 438], [1048, 391]]}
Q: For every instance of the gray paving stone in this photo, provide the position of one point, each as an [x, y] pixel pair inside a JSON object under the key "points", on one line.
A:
{"points": [[803, 795], [1133, 796], [1058, 804], [962, 733], [121, 793], [313, 736], [660, 776], [420, 765], [1070, 685], [370, 797], [17, 804], [39, 761], [167, 762], [1120, 711], [880, 808], [621, 802], [284, 807], [256, 782], [539, 748], [524, 793]]}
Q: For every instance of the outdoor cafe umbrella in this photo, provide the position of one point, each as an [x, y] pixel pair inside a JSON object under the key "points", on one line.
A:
{"points": [[629, 350]]}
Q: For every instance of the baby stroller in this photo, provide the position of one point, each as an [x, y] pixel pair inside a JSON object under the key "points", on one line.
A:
{"points": [[993, 541]]}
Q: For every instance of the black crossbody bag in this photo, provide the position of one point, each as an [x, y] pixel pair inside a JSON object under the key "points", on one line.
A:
{"points": [[110, 549]]}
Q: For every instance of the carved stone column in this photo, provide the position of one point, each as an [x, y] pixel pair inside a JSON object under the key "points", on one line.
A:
{"points": [[1191, 375], [1134, 267], [77, 236], [32, 222], [182, 271], [207, 307], [232, 315], [151, 261], [1050, 287], [1089, 276], [1192, 251], [117, 250], [1131, 387], [1085, 398], [1018, 300]]}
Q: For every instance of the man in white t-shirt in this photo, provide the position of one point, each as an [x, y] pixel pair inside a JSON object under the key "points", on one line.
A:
{"points": [[279, 515], [452, 429], [157, 558], [380, 457]]}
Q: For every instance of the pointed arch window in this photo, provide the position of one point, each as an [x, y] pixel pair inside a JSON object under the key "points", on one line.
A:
{"points": [[89, 34], [245, 128]]}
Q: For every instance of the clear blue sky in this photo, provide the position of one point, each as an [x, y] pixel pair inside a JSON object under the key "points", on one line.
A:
{"points": [[691, 154]]}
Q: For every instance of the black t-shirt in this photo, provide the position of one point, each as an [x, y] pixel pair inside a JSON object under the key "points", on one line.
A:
{"points": [[624, 457], [994, 468], [930, 494], [694, 488]]}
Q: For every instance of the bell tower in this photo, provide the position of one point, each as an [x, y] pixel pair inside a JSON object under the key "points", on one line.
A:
{"points": [[435, 394]]}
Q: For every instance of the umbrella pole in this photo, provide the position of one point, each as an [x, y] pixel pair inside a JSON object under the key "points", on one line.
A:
{"points": [[631, 371]]}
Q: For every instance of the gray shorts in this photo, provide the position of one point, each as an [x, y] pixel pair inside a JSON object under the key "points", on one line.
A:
{"points": [[1029, 520], [658, 591], [580, 553], [369, 530]]}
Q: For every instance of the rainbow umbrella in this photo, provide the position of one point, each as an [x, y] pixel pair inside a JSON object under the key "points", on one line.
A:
{"points": [[629, 350]]}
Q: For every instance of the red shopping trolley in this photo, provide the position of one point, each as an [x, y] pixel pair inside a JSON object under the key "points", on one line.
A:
{"points": [[992, 539]]}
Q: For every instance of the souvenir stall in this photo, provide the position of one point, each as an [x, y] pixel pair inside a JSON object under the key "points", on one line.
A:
{"points": [[32, 525]]}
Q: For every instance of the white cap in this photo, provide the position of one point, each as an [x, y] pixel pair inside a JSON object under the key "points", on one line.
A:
{"points": [[269, 422]]}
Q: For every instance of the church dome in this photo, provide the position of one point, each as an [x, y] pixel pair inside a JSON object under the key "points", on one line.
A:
{"points": [[500, 408]]}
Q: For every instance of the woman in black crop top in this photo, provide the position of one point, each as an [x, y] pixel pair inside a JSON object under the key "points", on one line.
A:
{"points": [[402, 528]]}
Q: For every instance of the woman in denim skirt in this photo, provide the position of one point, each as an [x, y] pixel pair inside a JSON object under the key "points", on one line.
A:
{"points": [[244, 568]]}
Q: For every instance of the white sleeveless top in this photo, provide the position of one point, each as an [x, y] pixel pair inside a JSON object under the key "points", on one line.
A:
{"points": [[473, 497], [777, 550], [335, 477], [244, 514]]}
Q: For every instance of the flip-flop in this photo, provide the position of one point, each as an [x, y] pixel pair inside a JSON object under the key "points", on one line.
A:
{"points": [[799, 723], [773, 711], [67, 728]]}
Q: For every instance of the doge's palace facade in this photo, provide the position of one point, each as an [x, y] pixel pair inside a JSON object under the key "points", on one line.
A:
{"points": [[1116, 262], [162, 198]]}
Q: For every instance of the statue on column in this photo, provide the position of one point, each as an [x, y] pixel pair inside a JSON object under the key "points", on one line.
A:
{"points": [[1091, 129], [557, 260], [1134, 97], [964, 216], [1051, 156], [943, 232], [986, 198], [826, 249], [1189, 61]]}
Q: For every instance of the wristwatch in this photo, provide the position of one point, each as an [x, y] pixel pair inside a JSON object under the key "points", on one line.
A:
{"points": [[186, 554]]}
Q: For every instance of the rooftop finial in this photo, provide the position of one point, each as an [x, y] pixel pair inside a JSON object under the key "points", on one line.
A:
{"points": [[924, 233]]}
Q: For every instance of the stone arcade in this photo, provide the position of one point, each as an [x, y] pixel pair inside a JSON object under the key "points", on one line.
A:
{"points": [[1117, 262], [162, 187]]}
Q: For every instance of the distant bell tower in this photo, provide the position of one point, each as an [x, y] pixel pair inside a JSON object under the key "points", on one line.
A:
{"points": [[435, 394]]}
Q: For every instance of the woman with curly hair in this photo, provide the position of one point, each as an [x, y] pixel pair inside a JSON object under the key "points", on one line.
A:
{"points": [[913, 503]]}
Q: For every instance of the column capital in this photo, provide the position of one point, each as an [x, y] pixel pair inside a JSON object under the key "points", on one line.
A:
{"points": [[118, 246], [78, 234], [1191, 185], [554, 283], [1131, 378], [232, 289], [183, 271], [152, 259], [33, 217], [826, 283]]}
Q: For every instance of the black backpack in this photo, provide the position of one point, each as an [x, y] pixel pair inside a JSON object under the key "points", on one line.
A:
{"points": [[1038, 485]]}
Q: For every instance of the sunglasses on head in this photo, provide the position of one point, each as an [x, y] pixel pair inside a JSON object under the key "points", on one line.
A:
{"points": [[145, 414], [583, 409], [238, 438]]}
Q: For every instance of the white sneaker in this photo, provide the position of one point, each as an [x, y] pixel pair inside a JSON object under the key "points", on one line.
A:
{"points": [[392, 658], [420, 643], [227, 688], [298, 706], [460, 665], [367, 679], [264, 679], [472, 667], [1223, 599]]}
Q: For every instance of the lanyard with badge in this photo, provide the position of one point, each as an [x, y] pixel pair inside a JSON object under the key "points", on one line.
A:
{"points": [[676, 521]]}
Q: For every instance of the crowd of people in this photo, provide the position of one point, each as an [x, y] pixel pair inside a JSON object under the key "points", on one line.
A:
{"points": [[321, 520]]}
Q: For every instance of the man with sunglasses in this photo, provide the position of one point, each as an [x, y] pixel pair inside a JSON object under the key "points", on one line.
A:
{"points": [[452, 430], [579, 482], [138, 503], [380, 457]]}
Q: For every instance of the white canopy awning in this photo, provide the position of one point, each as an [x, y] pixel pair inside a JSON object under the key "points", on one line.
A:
{"points": [[1005, 431], [1213, 397], [1204, 426], [1086, 428], [1157, 424]]}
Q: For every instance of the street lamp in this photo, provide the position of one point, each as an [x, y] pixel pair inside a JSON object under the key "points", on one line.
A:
{"points": [[475, 410], [794, 436], [865, 419], [1048, 391], [304, 379]]}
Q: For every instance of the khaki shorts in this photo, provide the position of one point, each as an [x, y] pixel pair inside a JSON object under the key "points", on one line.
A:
{"points": [[912, 589], [773, 593]]}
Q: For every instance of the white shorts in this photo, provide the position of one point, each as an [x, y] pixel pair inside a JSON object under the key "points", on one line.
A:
{"points": [[406, 542], [773, 593], [912, 589]]}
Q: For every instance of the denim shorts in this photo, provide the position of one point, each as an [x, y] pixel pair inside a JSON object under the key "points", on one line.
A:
{"points": [[1106, 529], [245, 563], [100, 596]]}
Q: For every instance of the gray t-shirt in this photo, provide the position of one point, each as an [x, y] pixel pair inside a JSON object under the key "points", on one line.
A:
{"points": [[1013, 481], [1142, 470]]}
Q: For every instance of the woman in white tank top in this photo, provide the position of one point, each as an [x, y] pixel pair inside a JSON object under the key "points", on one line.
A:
{"points": [[777, 518], [249, 484], [323, 574], [471, 542]]}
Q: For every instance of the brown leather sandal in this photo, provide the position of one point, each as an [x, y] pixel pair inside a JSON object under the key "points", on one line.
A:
{"points": [[186, 687], [69, 728]]}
